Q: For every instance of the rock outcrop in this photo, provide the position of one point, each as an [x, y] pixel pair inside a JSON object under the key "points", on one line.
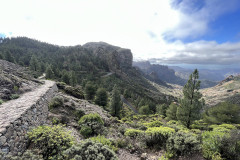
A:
{"points": [[19, 115], [115, 57]]}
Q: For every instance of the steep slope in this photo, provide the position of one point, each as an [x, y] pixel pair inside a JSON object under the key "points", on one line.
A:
{"points": [[225, 90]]}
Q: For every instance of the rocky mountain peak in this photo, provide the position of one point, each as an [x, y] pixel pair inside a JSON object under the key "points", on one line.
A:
{"points": [[116, 57]]}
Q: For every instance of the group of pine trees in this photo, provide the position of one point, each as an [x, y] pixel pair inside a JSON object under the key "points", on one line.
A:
{"points": [[101, 98]]}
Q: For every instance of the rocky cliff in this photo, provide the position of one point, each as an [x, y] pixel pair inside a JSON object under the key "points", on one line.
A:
{"points": [[116, 57]]}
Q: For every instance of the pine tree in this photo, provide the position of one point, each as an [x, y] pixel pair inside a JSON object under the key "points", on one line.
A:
{"points": [[89, 91], [9, 57], [191, 104], [101, 97], [172, 111], [49, 72], [73, 79], [66, 77], [161, 109], [115, 103], [34, 66]]}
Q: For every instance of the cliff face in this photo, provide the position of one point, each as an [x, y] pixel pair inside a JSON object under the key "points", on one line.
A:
{"points": [[116, 57], [162, 72]]}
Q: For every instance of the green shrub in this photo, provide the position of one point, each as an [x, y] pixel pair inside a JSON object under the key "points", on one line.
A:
{"points": [[55, 120], [216, 156], [221, 129], [56, 102], [74, 91], [175, 125], [230, 145], [15, 88], [183, 143], [91, 124], [79, 113], [228, 126], [14, 96], [153, 124], [104, 141], [86, 131], [158, 136], [89, 150], [133, 133], [224, 112], [1, 101], [121, 143], [211, 142], [27, 155], [144, 110], [199, 124], [223, 145], [50, 140]]}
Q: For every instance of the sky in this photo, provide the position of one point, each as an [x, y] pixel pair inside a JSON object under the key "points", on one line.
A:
{"points": [[183, 32]]}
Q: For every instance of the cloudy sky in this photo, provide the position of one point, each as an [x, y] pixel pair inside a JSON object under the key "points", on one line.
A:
{"points": [[190, 32]]}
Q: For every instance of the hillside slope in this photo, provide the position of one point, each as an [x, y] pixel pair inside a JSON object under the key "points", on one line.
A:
{"points": [[225, 90]]}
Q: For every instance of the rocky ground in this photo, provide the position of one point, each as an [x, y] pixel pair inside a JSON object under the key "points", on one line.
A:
{"points": [[14, 80]]}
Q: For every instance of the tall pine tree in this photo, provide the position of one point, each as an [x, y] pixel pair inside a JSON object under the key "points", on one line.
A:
{"points": [[191, 104], [115, 103]]}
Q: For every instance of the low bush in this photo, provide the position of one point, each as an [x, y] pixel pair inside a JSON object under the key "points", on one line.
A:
{"points": [[133, 133], [175, 125], [91, 124], [121, 143], [230, 145], [183, 143], [56, 102], [158, 136], [89, 150], [104, 141], [145, 110], [199, 124], [211, 142], [79, 113], [74, 91], [228, 126], [50, 140], [1, 101], [55, 121], [14, 96], [27, 155], [153, 124]]}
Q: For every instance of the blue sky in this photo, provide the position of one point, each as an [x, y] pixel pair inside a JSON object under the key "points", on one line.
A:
{"points": [[188, 32]]}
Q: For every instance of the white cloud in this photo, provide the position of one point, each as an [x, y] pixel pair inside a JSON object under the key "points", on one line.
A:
{"points": [[195, 20], [140, 25], [203, 52]]}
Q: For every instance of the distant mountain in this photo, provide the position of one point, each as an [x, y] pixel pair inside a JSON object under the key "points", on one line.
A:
{"points": [[172, 74], [206, 74], [161, 72]]}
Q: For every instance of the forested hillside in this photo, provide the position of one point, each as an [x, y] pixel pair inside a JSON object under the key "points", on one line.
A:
{"points": [[99, 64]]}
